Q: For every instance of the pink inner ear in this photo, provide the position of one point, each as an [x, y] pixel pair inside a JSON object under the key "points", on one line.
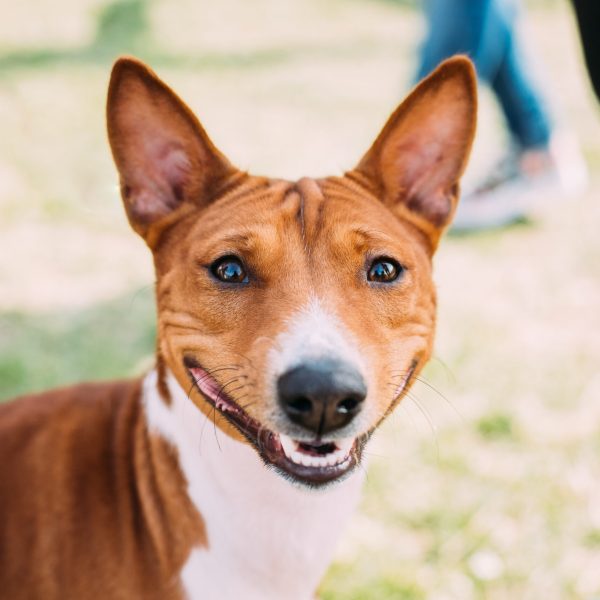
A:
{"points": [[159, 180], [169, 160], [420, 161], [423, 169], [435, 206]]}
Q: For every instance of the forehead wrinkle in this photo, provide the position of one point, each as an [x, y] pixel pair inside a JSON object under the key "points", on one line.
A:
{"points": [[292, 205], [242, 241], [302, 222], [257, 194], [312, 201], [244, 217], [248, 242], [367, 236]]}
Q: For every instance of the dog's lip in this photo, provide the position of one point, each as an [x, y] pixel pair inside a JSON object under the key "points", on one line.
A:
{"points": [[300, 460]]}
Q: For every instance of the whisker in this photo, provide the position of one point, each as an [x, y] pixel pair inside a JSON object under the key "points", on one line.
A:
{"points": [[374, 454], [427, 417], [362, 467], [441, 395], [423, 411], [189, 394], [203, 427], [401, 373], [248, 360], [219, 369], [239, 387], [404, 406], [449, 373], [215, 428]]}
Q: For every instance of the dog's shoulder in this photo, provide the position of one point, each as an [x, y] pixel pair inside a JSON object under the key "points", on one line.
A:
{"points": [[34, 418], [75, 463], [62, 438]]}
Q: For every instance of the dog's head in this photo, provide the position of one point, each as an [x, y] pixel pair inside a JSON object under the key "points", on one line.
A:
{"points": [[299, 312]]}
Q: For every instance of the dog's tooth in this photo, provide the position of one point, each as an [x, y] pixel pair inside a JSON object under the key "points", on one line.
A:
{"points": [[344, 446], [288, 445], [296, 457], [336, 458], [304, 459], [333, 459], [314, 461]]}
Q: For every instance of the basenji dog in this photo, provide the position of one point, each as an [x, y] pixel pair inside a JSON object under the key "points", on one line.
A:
{"points": [[292, 319]]}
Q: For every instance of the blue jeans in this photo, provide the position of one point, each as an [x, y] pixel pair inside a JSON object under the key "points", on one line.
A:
{"points": [[485, 30]]}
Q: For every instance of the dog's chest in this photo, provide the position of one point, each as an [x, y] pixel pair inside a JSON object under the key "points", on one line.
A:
{"points": [[266, 538]]}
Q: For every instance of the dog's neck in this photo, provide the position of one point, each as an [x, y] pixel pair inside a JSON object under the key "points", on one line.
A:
{"points": [[263, 533]]}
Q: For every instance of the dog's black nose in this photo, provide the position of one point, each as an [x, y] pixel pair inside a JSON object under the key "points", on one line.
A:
{"points": [[322, 395]]}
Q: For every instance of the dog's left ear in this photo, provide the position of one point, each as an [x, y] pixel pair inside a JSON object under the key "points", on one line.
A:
{"points": [[417, 160]]}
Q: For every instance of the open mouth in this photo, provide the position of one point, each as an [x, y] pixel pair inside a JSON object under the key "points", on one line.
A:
{"points": [[314, 463]]}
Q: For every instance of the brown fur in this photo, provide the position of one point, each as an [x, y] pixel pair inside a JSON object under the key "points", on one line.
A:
{"points": [[91, 504]]}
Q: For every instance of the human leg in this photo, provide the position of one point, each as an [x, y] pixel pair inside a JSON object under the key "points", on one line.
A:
{"points": [[511, 80], [453, 27]]}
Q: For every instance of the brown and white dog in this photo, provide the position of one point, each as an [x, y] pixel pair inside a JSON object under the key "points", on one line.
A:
{"points": [[292, 318]]}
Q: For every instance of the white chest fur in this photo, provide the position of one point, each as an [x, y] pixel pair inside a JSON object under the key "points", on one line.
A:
{"points": [[267, 538]]}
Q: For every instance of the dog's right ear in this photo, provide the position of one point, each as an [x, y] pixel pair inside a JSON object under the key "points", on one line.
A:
{"points": [[164, 157]]}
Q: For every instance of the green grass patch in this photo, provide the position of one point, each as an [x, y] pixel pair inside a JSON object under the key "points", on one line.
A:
{"points": [[105, 341], [592, 538], [496, 426]]}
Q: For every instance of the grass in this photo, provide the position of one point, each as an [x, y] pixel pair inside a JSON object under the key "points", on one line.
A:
{"points": [[108, 340], [482, 486]]}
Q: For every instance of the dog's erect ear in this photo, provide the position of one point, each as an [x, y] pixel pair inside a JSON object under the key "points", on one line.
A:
{"points": [[418, 158], [164, 157]]}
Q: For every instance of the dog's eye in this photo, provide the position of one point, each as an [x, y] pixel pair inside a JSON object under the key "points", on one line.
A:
{"points": [[229, 269], [384, 270]]}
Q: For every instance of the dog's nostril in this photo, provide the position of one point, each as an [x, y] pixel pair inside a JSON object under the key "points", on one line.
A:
{"points": [[347, 405], [300, 405]]}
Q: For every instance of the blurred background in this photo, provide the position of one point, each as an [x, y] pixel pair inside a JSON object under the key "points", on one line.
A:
{"points": [[485, 482]]}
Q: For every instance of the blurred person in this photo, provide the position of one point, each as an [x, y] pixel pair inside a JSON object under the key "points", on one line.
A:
{"points": [[541, 160], [588, 20]]}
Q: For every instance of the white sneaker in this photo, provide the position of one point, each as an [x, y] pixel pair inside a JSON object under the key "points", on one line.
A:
{"points": [[523, 185]]}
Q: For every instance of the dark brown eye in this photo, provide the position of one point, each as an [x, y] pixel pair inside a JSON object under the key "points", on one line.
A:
{"points": [[384, 270], [229, 269]]}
